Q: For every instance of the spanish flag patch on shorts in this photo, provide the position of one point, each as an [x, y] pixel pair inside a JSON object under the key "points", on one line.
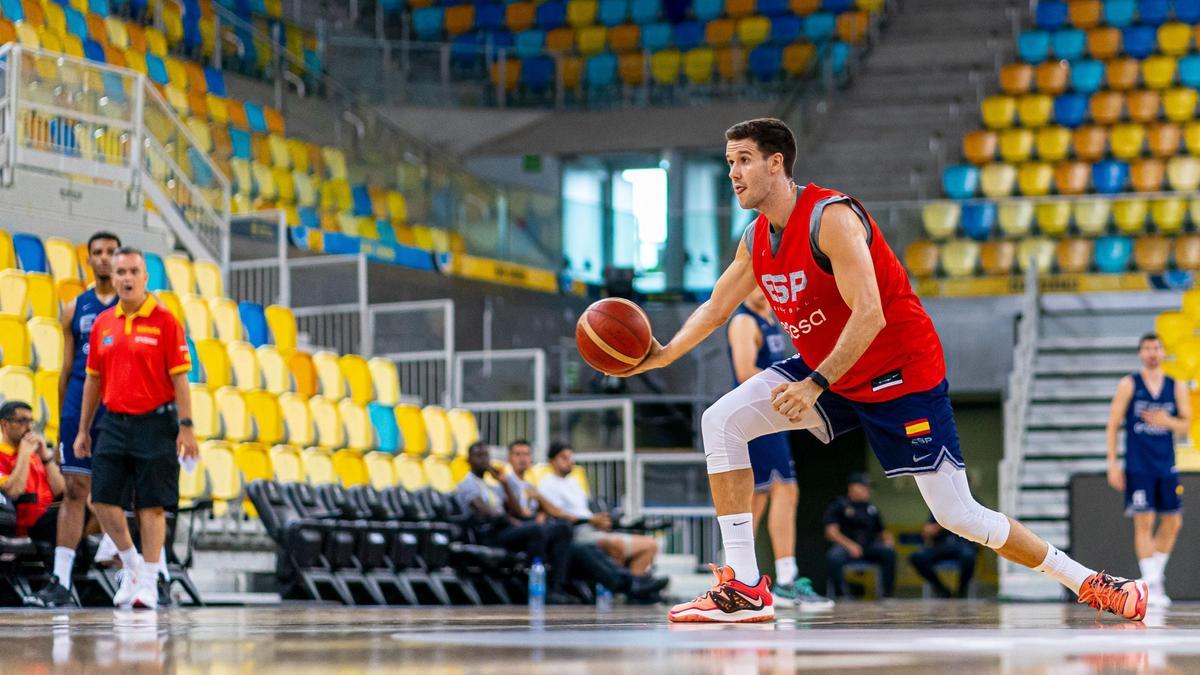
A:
{"points": [[917, 428]]}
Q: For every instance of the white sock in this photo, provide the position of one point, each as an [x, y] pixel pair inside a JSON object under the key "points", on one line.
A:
{"points": [[1063, 569], [1160, 563], [130, 560], [737, 536], [785, 570], [1149, 569], [64, 559]]}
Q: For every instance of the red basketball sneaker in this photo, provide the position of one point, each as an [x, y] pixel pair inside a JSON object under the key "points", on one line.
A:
{"points": [[728, 601], [1124, 597]]}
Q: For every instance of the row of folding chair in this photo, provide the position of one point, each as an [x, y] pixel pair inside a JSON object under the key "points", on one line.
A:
{"points": [[1072, 255]]}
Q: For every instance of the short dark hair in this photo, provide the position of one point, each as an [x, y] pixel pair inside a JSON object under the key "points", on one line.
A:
{"points": [[1148, 337], [556, 449], [8, 411], [130, 250], [770, 135], [519, 441], [475, 445], [102, 234]]}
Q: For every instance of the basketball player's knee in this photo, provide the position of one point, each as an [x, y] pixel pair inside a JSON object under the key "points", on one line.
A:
{"points": [[725, 446], [973, 522]]}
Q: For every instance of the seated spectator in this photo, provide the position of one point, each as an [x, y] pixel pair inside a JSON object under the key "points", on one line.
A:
{"points": [[560, 491], [29, 473], [587, 560], [942, 546], [500, 521], [855, 528]]}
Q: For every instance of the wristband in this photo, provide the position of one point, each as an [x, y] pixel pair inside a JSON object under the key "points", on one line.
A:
{"points": [[820, 380], [185, 422]]}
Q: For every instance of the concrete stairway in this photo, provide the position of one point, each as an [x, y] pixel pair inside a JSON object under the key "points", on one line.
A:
{"points": [[1086, 344], [921, 81]]}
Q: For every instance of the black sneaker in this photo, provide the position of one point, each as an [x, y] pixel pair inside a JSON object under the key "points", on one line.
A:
{"points": [[647, 586], [53, 594], [164, 593]]}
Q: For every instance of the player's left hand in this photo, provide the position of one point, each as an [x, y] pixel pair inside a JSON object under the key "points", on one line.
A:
{"points": [[792, 399], [1156, 417]]}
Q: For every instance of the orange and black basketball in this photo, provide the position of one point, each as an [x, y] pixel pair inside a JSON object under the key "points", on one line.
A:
{"points": [[613, 335]]}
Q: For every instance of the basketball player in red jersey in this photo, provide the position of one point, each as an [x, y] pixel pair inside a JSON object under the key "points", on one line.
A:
{"points": [[845, 300]]}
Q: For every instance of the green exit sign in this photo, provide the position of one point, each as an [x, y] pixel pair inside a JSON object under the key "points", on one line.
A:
{"points": [[532, 164]]}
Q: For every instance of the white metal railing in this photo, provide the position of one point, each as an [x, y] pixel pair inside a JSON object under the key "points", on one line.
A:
{"points": [[426, 372], [82, 118]]}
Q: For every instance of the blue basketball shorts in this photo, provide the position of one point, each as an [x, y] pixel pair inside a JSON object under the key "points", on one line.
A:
{"points": [[910, 435], [771, 461], [1153, 493], [68, 428]]}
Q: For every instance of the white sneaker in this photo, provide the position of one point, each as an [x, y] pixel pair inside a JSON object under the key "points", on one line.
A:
{"points": [[146, 596], [128, 589], [106, 552]]}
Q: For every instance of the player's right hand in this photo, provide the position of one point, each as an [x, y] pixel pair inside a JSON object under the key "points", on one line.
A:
{"points": [[83, 444], [655, 358], [854, 550], [1116, 478]]}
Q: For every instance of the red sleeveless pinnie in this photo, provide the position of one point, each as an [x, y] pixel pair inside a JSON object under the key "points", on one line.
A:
{"points": [[905, 357]]}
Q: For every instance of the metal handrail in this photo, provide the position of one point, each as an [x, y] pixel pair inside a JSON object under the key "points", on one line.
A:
{"points": [[1016, 403]]}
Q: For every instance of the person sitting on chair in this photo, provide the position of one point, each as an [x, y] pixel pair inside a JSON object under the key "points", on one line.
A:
{"points": [[943, 546], [855, 527], [29, 473]]}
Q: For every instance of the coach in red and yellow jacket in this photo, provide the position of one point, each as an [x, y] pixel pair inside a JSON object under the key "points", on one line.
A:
{"points": [[137, 364]]}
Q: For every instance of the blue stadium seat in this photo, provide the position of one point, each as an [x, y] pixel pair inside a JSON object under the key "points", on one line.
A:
{"points": [[786, 29], [114, 86], [254, 320], [707, 10], [192, 38], [656, 36], [689, 35], [1033, 46], [215, 80], [765, 62], [427, 22], [1189, 71], [489, 16], [361, 200], [1119, 13], [93, 50], [309, 218], [1070, 110], [466, 49], [960, 181], [1110, 176], [600, 70], [839, 54], [240, 140], [30, 252], [1087, 76], [1112, 253], [157, 273], [157, 70], [387, 432], [774, 8], [1139, 41], [978, 220], [256, 118], [13, 11], [194, 375], [98, 7], [676, 11], [1051, 15], [643, 12], [76, 24], [537, 73], [612, 12], [202, 174], [1187, 11], [1153, 12], [1069, 44], [837, 6], [529, 43], [551, 14], [819, 27]]}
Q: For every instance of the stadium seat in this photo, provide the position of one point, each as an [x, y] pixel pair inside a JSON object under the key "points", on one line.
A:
{"points": [[224, 479], [941, 219], [1179, 104], [1035, 110], [1033, 46], [960, 258], [215, 363], [1151, 254], [1087, 76], [1074, 255], [1164, 140], [1153, 12], [331, 382], [999, 112], [921, 258], [318, 466], [1070, 110], [356, 423], [266, 417], [996, 257], [254, 323], [978, 220], [8, 255], [1084, 13], [61, 258], [1138, 41], [386, 381], [1035, 252], [225, 318], [30, 253], [327, 421], [283, 327], [1183, 174], [1186, 252], [1016, 145], [1050, 16], [1113, 253], [15, 349], [1035, 179], [1072, 178], [1130, 215], [180, 274], [1015, 217], [387, 431], [1126, 140], [1158, 72], [766, 62], [231, 410], [1052, 143], [1147, 175], [14, 293], [1052, 217], [1091, 216], [1110, 177], [198, 317], [1069, 44], [979, 147], [243, 363], [1189, 71], [1090, 142], [1051, 77], [1143, 105], [997, 180]]}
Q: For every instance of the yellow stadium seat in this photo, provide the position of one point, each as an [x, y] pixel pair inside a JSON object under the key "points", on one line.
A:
{"points": [[180, 274], [350, 467], [464, 428], [412, 429], [581, 13], [8, 256], [283, 327], [328, 422], [921, 258], [1183, 173], [1158, 72], [1179, 104], [17, 384], [381, 470], [335, 163], [198, 317], [385, 380], [193, 485], [437, 426], [753, 31], [215, 362], [1174, 38], [1035, 179], [204, 413], [698, 65], [253, 463], [243, 363], [266, 417], [1053, 143], [410, 472], [14, 292], [960, 257], [1015, 217], [42, 298], [67, 290], [1074, 255], [60, 253], [224, 479], [1126, 140], [999, 112], [235, 419], [590, 40], [1173, 328], [1130, 215], [45, 383], [941, 219], [171, 302], [318, 466], [208, 278], [998, 180], [225, 318], [287, 464], [439, 473], [664, 69], [1053, 217], [1035, 252], [46, 340], [1091, 216], [1034, 110], [357, 375], [1016, 145], [273, 370], [15, 349], [360, 433], [1168, 214], [329, 375], [996, 257], [1191, 304]]}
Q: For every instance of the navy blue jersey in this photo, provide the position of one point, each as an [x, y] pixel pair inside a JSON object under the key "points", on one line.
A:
{"points": [[1149, 449], [87, 308], [774, 344]]}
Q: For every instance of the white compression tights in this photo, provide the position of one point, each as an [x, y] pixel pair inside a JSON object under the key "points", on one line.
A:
{"points": [[746, 413]]}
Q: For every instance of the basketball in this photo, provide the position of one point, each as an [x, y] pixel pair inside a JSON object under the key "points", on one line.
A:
{"points": [[613, 335]]}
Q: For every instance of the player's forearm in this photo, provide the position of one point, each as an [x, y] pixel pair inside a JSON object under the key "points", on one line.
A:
{"points": [[55, 479], [1110, 433], [91, 399], [14, 487], [861, 330]]}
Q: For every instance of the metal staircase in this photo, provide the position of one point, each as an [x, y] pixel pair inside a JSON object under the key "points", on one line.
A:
{"points": [[1072, 351]]}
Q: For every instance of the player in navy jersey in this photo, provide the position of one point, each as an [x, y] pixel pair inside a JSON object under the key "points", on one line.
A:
{"points": [[1154, 408], [77, 319], [755, 344]]}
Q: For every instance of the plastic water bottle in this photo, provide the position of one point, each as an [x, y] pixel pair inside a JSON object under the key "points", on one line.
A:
{"points": [[537, 585], [603, 598]]}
